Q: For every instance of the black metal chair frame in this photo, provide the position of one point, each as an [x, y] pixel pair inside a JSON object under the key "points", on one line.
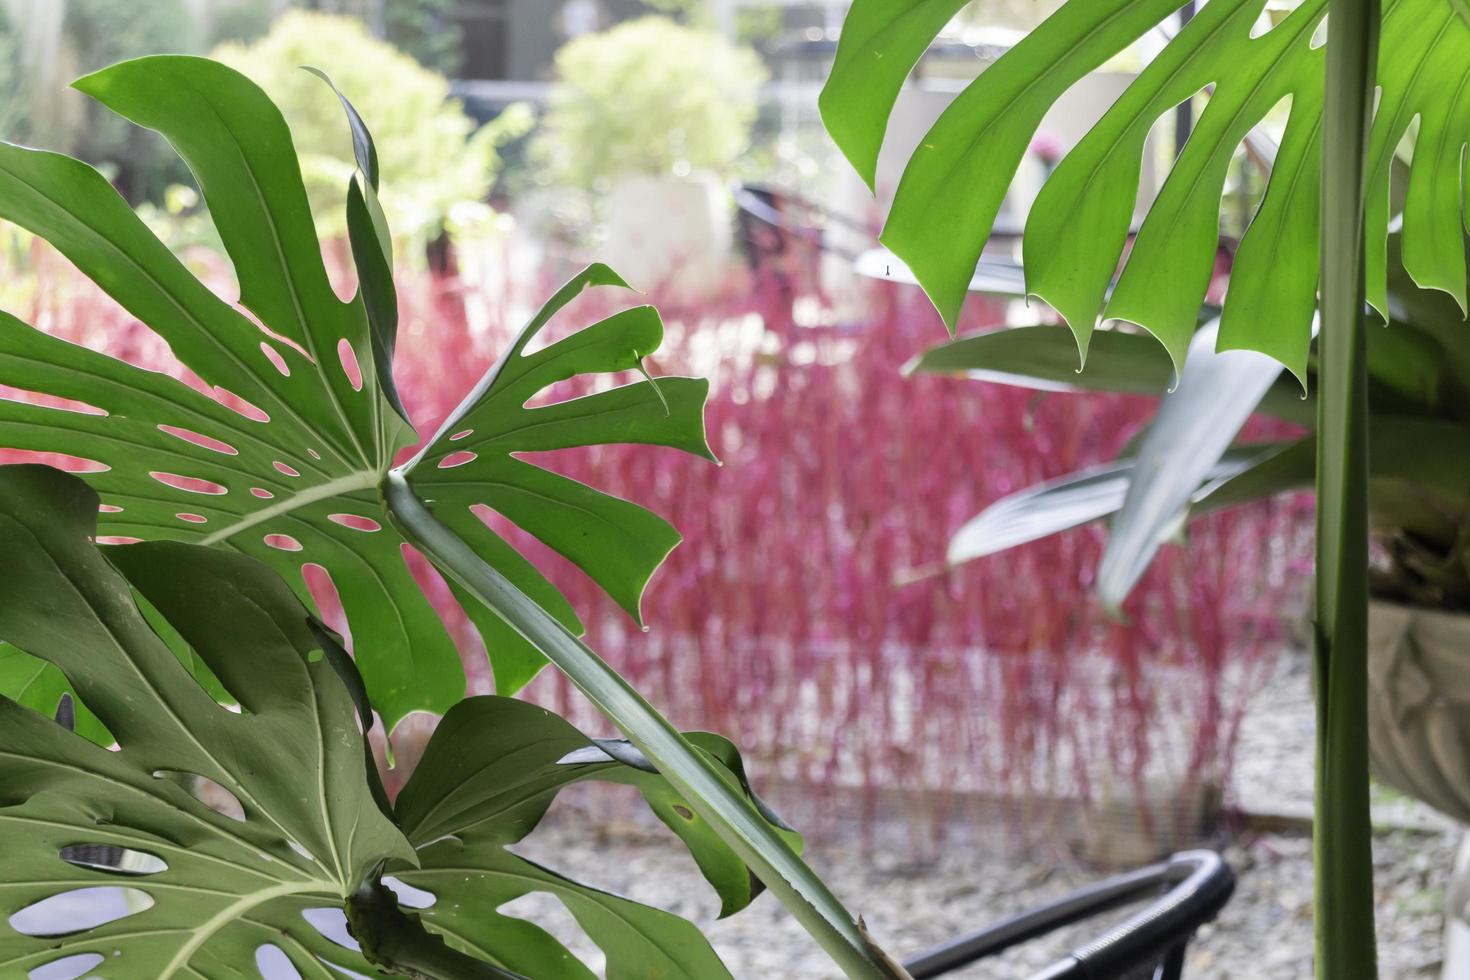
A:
{"points": [[1197, 883]]}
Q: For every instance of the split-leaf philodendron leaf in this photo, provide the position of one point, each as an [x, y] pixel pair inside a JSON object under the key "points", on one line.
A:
{"points": [[462, 811], [213, 888], [287, 467], [1077, 229], [190, 890]]}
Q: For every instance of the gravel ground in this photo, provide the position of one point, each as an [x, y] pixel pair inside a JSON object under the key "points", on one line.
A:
{"points": [[1264, 933], [982, 875]]}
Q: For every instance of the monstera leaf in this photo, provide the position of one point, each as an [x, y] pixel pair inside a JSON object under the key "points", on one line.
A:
{"points": [[287, 463], [1250, 59], [488, 776], [205, 890], [469, 464], [197, 890]]}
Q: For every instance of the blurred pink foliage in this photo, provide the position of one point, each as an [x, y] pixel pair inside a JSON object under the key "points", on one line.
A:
{"points": [[807, 615]]}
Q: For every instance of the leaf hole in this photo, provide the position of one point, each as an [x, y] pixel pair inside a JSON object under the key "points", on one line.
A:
{"points": [[206, 791], [60, 461], [43, 400], [282, 542], [67, 968], [286, 469], [457, 459], [193, 518], [328, 602], [1319, 36], [189, 484], [348, 359], [239, 405], [278, 337], [332, 924], [274, 964], [355, 522], [262, 493], [409, 896], [461, 434], [113, 859], [199, 439], [79, 910], [277, 361]]}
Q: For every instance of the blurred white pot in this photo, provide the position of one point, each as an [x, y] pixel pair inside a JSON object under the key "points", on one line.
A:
{"points": [[670, 234]]}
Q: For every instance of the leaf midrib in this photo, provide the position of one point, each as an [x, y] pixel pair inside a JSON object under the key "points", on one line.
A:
{"points": [[359, 480], [205, 932]]}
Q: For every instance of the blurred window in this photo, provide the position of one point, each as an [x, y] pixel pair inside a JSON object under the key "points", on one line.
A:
{"points": [[580, 17], [486, 30]]}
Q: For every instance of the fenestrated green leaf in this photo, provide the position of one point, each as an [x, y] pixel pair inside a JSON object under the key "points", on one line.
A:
{"points": [[293, 757], [1076, 499], [314, 833], [292, 477], [486, 779], [955, 182], [274, 484], [470, 462]]}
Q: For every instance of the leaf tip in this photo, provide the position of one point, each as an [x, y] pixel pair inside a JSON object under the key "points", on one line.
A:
{"points": [[602, 274]]}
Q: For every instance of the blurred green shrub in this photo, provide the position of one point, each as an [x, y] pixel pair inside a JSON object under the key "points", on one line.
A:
{"points": [[437, 169], [647, 97], [755, 23]]}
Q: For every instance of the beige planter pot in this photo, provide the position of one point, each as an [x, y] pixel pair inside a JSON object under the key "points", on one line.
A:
{"points": [[1419, 704], [1419, 733]]}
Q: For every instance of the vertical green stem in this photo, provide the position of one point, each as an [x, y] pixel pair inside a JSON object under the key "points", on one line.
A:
{"points": [[1343, 841]]}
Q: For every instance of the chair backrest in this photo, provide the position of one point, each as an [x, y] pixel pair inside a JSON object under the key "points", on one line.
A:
{"points": [[1149, 944]]}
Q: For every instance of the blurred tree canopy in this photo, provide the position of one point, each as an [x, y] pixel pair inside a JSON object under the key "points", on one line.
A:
{"points": [[433, 159], [36, 106]]}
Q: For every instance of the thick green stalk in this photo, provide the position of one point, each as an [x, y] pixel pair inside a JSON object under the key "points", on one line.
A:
{"points": [[1343, 841], [709, 792]]}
